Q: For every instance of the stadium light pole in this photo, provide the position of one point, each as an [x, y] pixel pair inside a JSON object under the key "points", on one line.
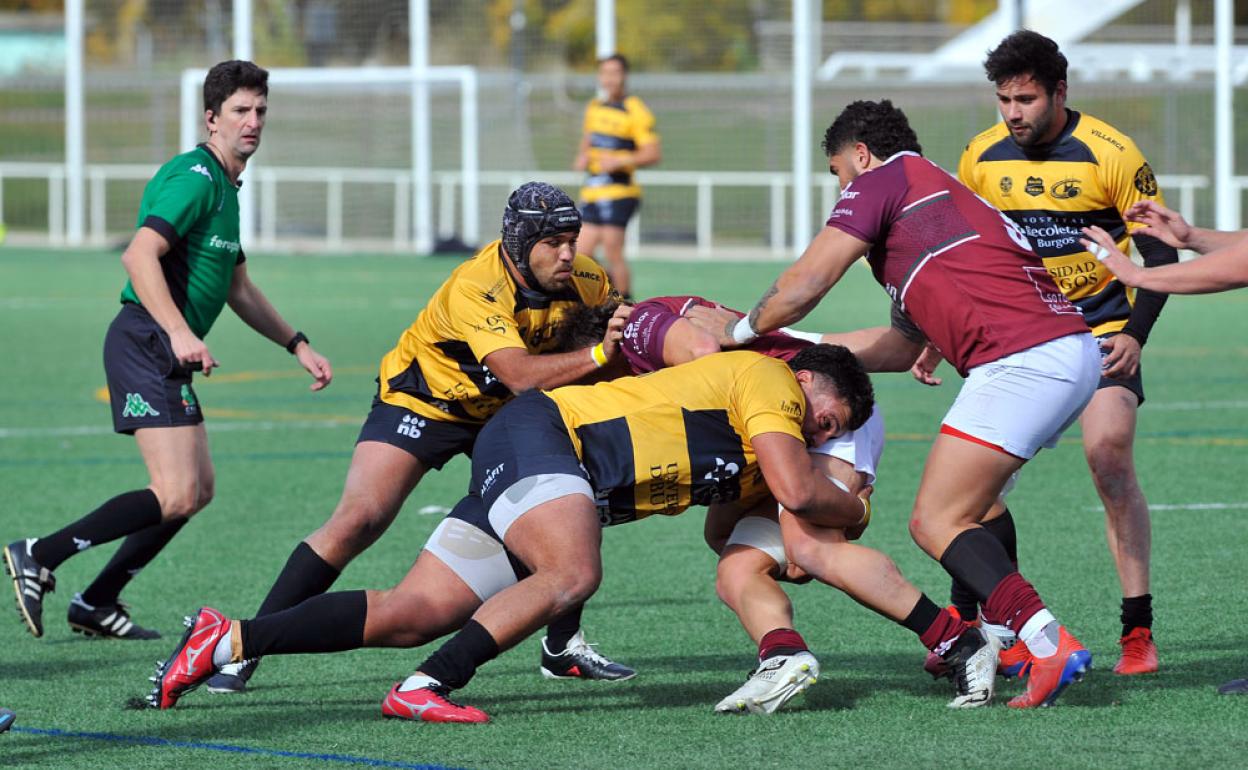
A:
{"points": [[422, 167], [1226, 193], [244, 49], [75, 134], [803, 71], [604, 24]]}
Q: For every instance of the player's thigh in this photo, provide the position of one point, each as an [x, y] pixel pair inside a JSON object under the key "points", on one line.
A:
{"points": [[177, 460], [430, 601], [379, 479], [1108, 424], [562, 535], [591, 235], [613, 240], [961, 480]]}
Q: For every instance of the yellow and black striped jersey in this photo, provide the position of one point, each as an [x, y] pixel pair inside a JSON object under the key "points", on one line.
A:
{"points": [[436, 369], [681, 436], [615, 128], [1089, 175]]}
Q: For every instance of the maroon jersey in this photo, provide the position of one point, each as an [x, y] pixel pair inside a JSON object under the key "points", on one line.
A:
{"points": [[961, 270], [647, 327]]}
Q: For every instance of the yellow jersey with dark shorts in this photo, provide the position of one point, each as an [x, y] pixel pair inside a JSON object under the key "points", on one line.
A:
{"points": [[436, 370], [615, 129], [1089, 175], [680, 436]]}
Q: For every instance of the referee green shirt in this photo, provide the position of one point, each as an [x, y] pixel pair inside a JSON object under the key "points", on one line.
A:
{"points": [[193, 204]]}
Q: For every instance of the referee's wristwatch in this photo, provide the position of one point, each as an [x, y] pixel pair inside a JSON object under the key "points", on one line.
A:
{"points": [[294, 342]]}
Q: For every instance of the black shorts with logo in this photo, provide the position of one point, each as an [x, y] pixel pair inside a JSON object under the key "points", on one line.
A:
{"points": [[613, 213], [433, 442], [147, 387], [1134, 383]]}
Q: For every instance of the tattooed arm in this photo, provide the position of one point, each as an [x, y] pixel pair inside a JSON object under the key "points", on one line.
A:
{"points": [[799, 288]]}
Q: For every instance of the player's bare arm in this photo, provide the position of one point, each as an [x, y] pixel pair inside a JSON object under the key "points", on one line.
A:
{"points": [[800, 287], [802, 491], [520, 370], [250, 304], [879, 348], [141, 260], [1222, 269]]}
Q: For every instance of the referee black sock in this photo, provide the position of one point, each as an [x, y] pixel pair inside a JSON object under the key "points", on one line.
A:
{"points": [[562, 629], [326, 623], [456, 661], [305, 575], [124, 514], [136, 552], [1137, 612], [960, 595]]}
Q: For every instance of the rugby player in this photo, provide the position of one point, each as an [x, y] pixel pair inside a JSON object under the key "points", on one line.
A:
{"points": [[550, 469], [185, 264], [486, 334], [1223, 267], [1054, 170], [962, 275], [754, 544], [618, 137]]}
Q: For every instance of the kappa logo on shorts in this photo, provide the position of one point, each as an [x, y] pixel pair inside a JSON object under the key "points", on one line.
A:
{"points": [[137, 406], [411, 426]]}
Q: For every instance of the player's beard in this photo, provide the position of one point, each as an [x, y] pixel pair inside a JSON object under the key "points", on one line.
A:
{"points": [[1036, 131]]}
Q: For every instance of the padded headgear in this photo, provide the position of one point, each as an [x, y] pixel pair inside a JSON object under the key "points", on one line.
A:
{"points": [[535, 210]]}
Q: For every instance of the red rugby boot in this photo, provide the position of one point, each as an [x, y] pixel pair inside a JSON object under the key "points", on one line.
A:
{"points": [[429, 704], [191, 661], [1139, 653], [1048, 677]]}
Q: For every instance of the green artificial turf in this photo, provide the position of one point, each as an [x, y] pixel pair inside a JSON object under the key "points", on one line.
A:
{"points": [[281, 453]]}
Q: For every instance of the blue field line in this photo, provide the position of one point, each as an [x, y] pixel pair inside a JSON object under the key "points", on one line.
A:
{"points": [[147, 740]]}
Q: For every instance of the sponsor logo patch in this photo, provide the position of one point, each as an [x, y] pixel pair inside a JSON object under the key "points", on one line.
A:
{"points": [[1066, 188], [1035, 186], [410, 426], [198, 168], [1007, 184], [1145, 181]]}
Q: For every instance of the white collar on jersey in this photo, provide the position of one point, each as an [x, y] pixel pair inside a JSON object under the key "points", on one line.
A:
{"points": [[897, 155]]}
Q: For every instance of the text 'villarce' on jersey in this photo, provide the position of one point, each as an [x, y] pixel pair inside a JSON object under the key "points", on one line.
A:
{"points": [[1089, 175], [681, 436], [437, 368]]}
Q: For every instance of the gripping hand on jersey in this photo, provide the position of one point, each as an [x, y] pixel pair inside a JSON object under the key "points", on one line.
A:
{"points": [[615, 330], [716, 321]]}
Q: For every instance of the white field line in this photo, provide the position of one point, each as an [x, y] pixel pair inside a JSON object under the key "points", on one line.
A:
{"points": [[1187, 507]]}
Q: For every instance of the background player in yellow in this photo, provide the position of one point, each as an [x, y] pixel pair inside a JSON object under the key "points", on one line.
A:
{"points": [[1055, 171], [618, 139]]}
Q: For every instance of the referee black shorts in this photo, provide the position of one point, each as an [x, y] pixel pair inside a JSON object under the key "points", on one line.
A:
{"points": [[147, 387]]}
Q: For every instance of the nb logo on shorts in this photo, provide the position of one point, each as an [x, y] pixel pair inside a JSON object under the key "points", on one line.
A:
{"points": [[411, 426], [137, 406]]}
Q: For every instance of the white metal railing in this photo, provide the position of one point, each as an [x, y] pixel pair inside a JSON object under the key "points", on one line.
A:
{"points": [[776, 186]]}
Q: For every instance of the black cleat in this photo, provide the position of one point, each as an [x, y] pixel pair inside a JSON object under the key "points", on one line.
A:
{"points": [[112, 622], [233, 677], [579, 661], [30, 581]]}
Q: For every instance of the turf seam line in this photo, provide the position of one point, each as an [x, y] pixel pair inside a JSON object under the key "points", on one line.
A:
{"points": [[149, 740]]}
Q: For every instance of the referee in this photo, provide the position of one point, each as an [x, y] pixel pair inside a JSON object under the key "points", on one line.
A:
{"points": [[185, 264]]}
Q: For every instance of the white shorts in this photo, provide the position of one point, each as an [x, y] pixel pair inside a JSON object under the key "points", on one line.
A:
{"points": [[1026, 400], [761, 533], [861, 448], [530, 492], [473, 554]]}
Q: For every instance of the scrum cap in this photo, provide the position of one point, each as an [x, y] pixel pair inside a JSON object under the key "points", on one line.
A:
{"points": [[535, 210]]}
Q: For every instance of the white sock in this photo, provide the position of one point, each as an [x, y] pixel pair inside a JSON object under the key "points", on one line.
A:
{"points": [[1040, 634], [223, 652], [1003, 633], [418, 681]]}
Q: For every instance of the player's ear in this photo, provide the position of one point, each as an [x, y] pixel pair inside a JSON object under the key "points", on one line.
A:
{"points": [[210, 120]]}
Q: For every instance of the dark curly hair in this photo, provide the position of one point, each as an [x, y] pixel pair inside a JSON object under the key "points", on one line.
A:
{"points": [[882, 127], [843, 369], [582, 326], [1027, 53], [230, 76], [619, 58]]}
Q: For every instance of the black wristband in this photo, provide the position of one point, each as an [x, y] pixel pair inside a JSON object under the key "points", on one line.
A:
{"points": [[294, 342]]}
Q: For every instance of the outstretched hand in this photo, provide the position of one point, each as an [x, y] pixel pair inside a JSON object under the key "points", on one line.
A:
{"points": [[1101, 245]]}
